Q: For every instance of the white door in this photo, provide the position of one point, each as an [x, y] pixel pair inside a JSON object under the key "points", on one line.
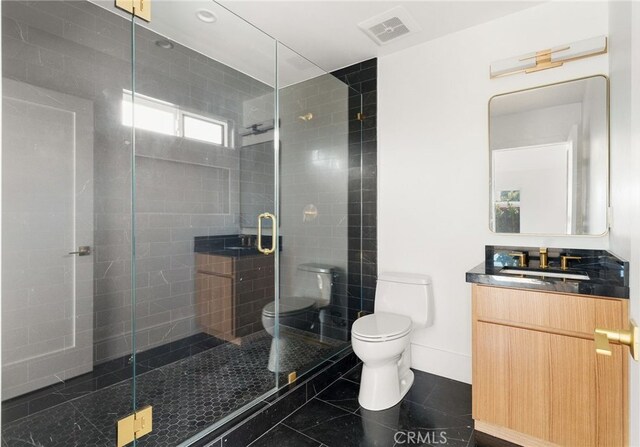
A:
{"points": [[543, 176], [47, 212]]}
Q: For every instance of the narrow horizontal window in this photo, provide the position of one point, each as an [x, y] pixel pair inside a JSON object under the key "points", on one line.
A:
{"points": [[168, 119], [203, 129], [149, 114]]}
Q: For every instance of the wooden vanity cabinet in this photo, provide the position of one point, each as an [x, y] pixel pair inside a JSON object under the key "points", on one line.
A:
{"points": [[537, 380], [231, 292]]}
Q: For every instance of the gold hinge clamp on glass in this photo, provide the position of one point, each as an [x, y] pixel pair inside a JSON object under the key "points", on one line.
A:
{"points": [[135, 426]]}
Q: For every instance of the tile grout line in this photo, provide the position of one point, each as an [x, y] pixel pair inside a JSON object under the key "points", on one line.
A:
{"points": [[473, 430], [330, 419], [303, 434], [106, 436], [336, 406]]}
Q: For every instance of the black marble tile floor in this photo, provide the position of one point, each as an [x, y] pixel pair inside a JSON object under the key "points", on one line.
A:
{"points": [[187, 396], [104, 375], [435, 412]]}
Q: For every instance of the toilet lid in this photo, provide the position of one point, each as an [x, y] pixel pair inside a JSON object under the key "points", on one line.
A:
{"points": [[289, 305], [381, 326]]}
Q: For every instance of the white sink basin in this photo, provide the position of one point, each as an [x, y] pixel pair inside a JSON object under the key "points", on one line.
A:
{"points": [[545, 274]]}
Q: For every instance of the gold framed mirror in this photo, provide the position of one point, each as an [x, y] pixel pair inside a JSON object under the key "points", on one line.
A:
{"points": [[549, 159]]}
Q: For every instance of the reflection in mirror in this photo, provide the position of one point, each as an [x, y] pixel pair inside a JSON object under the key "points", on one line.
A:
{"points": [[549, 158]]}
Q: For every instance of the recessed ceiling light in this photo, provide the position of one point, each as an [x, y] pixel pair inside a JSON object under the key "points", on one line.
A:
{"points": [[164, 44], [206, 16]]}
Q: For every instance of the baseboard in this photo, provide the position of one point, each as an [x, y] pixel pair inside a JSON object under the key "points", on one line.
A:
{"points": [[442, 363], [511, 436]]}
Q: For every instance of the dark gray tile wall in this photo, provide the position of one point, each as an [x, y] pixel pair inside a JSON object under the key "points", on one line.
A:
{"points": [[77, 48], [256, 181], [363, 239]]}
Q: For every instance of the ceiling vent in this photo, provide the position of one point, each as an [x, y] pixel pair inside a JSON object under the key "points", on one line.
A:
{"points": [[389, 26]]}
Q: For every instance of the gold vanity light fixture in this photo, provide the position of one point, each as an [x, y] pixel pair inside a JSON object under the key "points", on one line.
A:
{"points": [[549, 58]]}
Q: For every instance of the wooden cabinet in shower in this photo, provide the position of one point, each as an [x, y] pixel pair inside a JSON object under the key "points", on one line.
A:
{"points": [[231, 292]]}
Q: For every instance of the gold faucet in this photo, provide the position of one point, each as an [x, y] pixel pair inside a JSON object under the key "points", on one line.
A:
{"points": [[564, 265], [544, 258], [522, 258]]}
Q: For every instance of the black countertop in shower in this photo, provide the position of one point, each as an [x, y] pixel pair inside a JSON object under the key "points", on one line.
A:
{"points": [[225, 245], [608, 274]]}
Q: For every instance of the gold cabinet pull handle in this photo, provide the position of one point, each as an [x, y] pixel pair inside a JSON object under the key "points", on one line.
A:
{"points": [[274, 233], [631, 338]]}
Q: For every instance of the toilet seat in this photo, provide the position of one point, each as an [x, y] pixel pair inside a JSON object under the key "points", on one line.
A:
{"points": [[289, 306], [380, 327]]}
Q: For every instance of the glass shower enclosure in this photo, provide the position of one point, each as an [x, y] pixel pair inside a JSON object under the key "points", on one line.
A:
{"points": [[175, 220]]}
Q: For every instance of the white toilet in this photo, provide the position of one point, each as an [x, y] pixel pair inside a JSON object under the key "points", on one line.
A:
{"points": [[305, 311], [382, 340]]}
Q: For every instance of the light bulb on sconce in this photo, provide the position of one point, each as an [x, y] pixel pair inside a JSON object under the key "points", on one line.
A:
{"points": [[306, 117], [549, 58]]}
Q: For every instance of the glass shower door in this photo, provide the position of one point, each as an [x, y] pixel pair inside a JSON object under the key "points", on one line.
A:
{"points": [[137, 158], [66, 197], [319, 142], [203, 169]]}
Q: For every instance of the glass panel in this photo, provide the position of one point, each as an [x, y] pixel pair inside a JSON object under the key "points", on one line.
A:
{"points": [[66, 196], [317, 112], [201, 285], [162, 177]]}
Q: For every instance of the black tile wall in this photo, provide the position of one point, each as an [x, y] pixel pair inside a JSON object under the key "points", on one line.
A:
{"points": [[363, 171]]}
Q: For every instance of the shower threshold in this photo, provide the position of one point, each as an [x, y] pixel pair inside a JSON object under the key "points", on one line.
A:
{"points": [[187, 396]]}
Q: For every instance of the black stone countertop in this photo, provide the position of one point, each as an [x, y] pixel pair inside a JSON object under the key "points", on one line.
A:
{"points": [[229, 245], [608, 274]]}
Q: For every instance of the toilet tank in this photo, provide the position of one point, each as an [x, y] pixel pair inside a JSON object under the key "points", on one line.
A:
{"points": [[404, 294], [316, 281]]}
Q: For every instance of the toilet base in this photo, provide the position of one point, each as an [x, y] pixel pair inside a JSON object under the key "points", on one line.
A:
{"points": [[382, 388]]}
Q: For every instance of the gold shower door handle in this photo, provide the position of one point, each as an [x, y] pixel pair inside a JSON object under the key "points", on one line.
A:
{"points": [[631, 338], [274, 233]]}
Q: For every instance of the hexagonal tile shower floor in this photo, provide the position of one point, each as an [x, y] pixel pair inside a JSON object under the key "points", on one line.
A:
{"points": [[187, 396]]}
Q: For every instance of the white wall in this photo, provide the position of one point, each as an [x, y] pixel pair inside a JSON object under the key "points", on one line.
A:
{"points": [[625, 164], [434, 166]]}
